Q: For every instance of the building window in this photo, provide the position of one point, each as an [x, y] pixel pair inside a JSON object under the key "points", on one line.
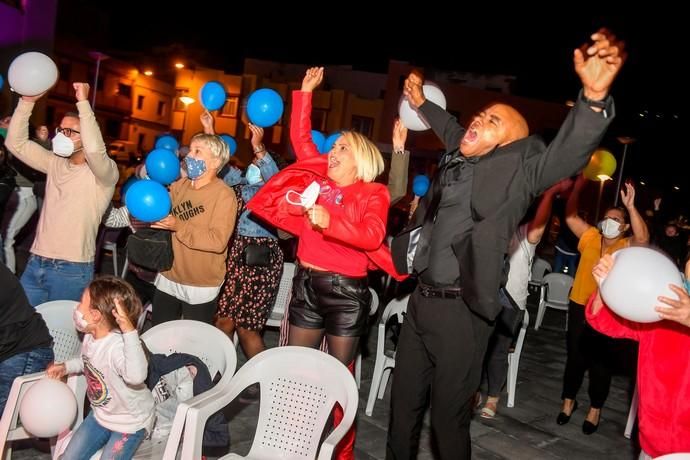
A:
{"points": [[65, 70], [101, 81], [161, 108], [229, 109], [140, 141], [319, 119], [363, 125], [124, 90], [112, 128], [140, 102]]}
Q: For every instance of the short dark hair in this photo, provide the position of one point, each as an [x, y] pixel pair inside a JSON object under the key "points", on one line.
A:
{"points": [[71, 115]]}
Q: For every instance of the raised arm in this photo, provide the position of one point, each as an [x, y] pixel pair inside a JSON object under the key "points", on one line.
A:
{"points": [[29, 152], [101, 165], [400, 163], [535, 229], [637, 223], [300, 118], [576, 223], [442, 123]]}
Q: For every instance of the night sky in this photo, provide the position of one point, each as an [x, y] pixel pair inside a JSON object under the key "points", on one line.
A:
{"points": [[537, 52]]}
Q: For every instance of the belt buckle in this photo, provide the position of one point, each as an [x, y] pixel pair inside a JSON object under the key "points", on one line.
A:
{"points": [[425, 291]]}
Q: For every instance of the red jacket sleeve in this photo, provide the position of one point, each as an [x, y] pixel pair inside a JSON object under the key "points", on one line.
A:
{"points": [[609, 323], [300, 126], [363, 229]]}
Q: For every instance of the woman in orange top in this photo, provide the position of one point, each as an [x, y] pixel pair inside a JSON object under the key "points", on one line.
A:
{"points": [[606, 238]]}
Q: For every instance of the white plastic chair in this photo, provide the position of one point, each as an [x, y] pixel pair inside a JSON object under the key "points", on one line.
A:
{"points": [[373, 308], [299, 388], [385, 360], [66, 344], [554, 294], [283, 297], [514, 361], [540, 268]]}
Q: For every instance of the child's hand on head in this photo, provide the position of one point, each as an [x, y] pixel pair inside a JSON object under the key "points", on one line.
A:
{"points": [[122, 317]]}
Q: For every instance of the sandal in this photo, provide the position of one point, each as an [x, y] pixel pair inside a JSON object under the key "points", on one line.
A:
{"points": [[490, 408]]}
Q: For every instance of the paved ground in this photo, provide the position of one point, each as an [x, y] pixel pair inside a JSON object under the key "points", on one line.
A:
{"points": [[527, 431]]}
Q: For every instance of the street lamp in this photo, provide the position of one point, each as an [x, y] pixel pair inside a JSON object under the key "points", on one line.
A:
{"points": [[98, 56], [625, 140], [602, 180]]}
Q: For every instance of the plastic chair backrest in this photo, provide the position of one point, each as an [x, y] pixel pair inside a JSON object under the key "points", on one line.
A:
{"points": [[540, 267], [558, 287], [395, 307], [299, 387], [58, 317], [195, 338]]}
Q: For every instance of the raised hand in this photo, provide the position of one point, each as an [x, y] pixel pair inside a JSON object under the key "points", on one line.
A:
{"points": [[257, 138], [602, 268], [412, 89], [399, 136], [121, 317], [628, 196], [312, 78], [207, 122], [81, 91], [597, 65]]}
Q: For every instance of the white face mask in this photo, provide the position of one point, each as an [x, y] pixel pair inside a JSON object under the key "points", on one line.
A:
{"points": [[80, 322], [610, 228], [63, 146], [307, 198]]}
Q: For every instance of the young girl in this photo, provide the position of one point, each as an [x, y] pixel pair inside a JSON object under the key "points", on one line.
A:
{"points": [[113, 362]]}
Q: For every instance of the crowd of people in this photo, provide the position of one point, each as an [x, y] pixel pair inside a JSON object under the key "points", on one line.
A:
{"points": [[469, 243]]}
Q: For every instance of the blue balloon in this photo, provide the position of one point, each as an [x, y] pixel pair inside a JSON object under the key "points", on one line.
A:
{"points": [[420, 185], [166, 141], [318, 138], [162, 166], [264, 107], [148, 201], [2, 81], [212, 95], [232, 143], [125, 187], [330, 140]]}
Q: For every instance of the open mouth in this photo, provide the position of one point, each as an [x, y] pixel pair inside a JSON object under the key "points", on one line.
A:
{"points": [[470, 136]]}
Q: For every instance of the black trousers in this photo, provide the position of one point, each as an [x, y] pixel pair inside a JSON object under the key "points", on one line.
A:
{"points": [[168, 308], [439, 358], [588, 350]]}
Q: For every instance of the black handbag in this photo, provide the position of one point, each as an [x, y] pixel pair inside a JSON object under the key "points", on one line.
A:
{"points": [[510, 319], [256, 255], [151, 248]]}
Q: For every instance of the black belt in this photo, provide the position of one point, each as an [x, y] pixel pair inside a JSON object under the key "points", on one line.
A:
{"points": [[440, 293]]}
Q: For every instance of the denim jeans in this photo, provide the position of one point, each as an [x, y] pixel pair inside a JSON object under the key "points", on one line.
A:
{"points": [[24, 363], [90, 436], [46, 279]]}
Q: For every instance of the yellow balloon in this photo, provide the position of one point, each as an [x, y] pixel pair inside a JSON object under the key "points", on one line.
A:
{"points": [[602, 162]]}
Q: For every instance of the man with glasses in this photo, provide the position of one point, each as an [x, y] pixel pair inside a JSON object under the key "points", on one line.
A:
{"points": [[81, 180]]}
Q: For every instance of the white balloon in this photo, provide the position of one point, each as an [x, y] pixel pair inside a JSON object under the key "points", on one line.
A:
{"points": [[637, 278], [410, 117], [32, 73], [48, 408]]}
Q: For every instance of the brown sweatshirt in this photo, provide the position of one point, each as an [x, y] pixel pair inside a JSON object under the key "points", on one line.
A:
{"points": [[206, 219]]}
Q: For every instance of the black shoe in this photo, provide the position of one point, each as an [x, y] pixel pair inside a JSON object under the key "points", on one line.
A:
{"points": [[563, 418], [589, 427]]}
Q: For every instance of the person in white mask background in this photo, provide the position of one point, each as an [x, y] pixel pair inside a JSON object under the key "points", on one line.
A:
{"points": [[589, 350], [255, 260], [81, 179]]}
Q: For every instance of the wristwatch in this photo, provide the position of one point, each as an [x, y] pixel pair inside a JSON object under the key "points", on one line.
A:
{"points": [[602, 104]]}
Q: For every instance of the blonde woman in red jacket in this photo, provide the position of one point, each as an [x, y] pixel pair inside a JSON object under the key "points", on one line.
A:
{"points": [[340, 235]]}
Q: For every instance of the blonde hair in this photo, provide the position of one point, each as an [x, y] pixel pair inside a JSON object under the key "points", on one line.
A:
{"points": [[367, 156], [105, 289], [219, 149]]}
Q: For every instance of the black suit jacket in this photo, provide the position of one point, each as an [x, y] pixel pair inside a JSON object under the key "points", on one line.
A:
{"points": [[505, 183]]}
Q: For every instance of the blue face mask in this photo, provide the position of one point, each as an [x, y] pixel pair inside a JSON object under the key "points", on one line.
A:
{"points": [[195, 168], [253, 175]]}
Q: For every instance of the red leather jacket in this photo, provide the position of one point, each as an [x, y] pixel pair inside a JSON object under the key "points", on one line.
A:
{"points": [[363, 224]]}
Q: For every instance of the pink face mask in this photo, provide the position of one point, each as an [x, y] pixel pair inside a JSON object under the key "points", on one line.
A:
{"points": [[80, 322]]}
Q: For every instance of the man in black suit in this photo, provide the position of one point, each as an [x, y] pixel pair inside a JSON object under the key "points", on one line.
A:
{"points": [[457, 240]]}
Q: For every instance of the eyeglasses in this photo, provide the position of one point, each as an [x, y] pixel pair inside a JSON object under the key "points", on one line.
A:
{"points": [[66, 131]]}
